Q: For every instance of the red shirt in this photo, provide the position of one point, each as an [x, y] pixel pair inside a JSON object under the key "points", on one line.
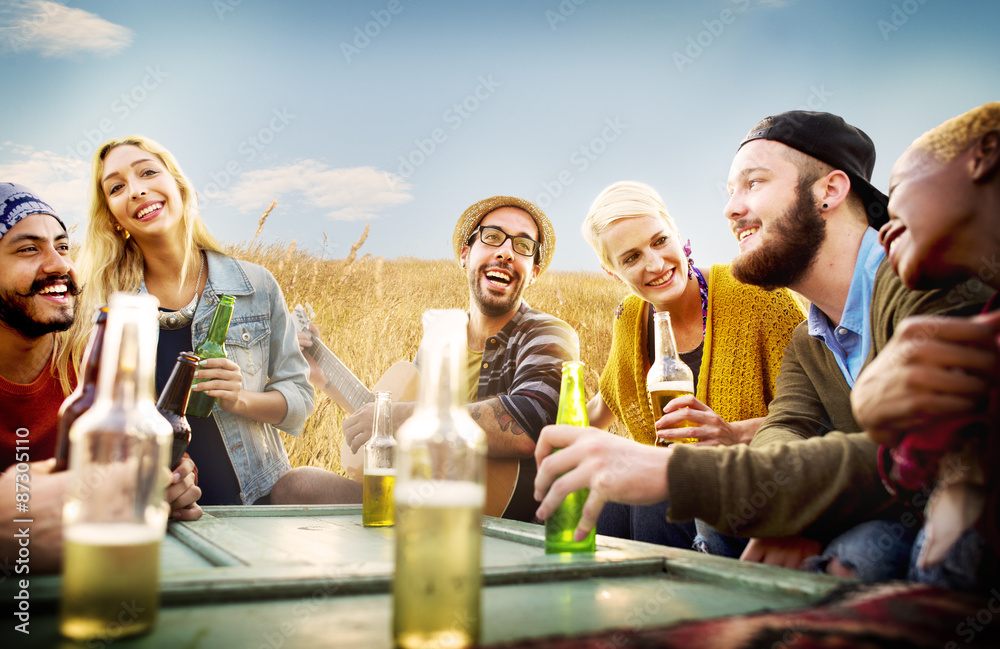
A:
{"points": [[33, 409]]}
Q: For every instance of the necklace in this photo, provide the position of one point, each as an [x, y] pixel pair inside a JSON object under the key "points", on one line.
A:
{"points": [[172, 320]]}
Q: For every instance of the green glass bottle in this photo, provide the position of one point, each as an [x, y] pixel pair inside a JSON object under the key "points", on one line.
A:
{"points": [[214, 346], [561, 525]]}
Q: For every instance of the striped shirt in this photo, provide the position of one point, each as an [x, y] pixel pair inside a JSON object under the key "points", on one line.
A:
{"points": [[522, 365]]}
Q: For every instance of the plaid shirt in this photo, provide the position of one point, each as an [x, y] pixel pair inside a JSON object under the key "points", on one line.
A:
{"points": [[522, 365]]}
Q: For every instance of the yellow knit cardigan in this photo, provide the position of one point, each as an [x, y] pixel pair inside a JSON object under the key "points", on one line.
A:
{"points": [[745, 337]]}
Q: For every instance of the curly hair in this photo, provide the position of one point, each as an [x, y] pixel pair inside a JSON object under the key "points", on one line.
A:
{"points": [[946, 141]]}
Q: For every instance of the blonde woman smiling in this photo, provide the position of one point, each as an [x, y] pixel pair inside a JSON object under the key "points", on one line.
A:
{"points": [[144, 234], [731, 335]]}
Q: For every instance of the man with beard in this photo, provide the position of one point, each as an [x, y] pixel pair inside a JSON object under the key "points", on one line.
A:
{"points": [[515, 352], [805, 215], [37, 299], [37, 290]]}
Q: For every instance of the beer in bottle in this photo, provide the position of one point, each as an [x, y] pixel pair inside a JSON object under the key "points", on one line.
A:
{"points": [[439, 500], [669, 377], [214, 346], [115, 515], [173, 402], [85, 392], [561, 525], [379, 467]]}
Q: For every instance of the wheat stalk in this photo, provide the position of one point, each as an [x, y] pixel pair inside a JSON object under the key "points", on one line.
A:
{"points": [[263, 217]]}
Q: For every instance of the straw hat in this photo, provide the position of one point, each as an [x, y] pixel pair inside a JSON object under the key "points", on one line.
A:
{"points": [[472, 216]]}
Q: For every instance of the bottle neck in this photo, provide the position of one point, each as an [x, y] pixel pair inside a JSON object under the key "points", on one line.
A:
{"points": [[92, 355], [383, 415], [220, 322], [128, 354], [442, 357], [174, 397], [666, 347], [572, 397], [439, 384]]}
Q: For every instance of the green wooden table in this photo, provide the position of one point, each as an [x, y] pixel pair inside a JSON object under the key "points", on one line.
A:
{"points": [[314, 576]]}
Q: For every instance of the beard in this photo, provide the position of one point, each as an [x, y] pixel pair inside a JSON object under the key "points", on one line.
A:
{"points": [[15, 309], [784, 259], [491, 305]]}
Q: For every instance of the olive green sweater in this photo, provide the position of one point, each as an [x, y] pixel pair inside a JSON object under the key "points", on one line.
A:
{"points": [[797, 476]]}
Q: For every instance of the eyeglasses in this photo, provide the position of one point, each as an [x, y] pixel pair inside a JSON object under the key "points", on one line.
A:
{"points": [[495, 237]]}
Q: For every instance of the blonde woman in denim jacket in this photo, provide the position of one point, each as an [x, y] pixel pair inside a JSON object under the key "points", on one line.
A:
{"points": [[145, 234]]}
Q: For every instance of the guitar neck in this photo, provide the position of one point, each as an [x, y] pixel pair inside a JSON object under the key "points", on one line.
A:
{"points": [[338, 375]]}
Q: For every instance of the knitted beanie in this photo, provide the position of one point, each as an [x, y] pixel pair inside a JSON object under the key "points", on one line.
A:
{"points": [[17, 202]]}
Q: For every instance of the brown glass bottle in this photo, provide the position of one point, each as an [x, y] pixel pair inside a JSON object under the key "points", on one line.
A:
{"points": [[173, 402], [83, 396]]}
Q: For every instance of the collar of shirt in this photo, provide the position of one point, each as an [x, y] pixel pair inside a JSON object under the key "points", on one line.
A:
{"points": [[851, 339]]}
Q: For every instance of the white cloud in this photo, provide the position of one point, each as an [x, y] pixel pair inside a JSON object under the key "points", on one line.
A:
{"points": [[352, 194], [59, 181], [55, 30]]}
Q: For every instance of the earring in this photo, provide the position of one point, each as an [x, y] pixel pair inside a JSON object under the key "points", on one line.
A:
{"points": [[687, 253], [119, 229], [825, 206]]}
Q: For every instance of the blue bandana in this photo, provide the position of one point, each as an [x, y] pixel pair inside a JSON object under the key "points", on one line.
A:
{"points": [[17, 202]]}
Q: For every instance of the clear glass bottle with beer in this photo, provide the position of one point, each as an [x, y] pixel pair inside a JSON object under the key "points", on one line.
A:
{"points": [[560, 527], [669, 377], [173, 402], [115, 516], [82, 397], [379, 467], [214, 346], [439, 498]]}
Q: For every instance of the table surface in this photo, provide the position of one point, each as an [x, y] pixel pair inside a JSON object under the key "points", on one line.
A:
{"points": [[270, 576]]}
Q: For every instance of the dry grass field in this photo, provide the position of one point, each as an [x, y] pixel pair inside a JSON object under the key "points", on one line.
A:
{"points": [[368, 310]]}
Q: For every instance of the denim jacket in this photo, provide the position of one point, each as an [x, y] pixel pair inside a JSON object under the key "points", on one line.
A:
{"points": [[261, 340]]}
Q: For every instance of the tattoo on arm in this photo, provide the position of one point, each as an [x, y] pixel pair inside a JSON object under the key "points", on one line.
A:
{"points": [[504, 419]]}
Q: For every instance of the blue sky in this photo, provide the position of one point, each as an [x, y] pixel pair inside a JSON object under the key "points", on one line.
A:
{"points": [[402, 113]]}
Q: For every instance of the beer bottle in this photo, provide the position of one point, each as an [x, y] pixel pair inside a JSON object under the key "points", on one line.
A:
{"points": [[115, 515], [379, 467], [173, 402], [83, 395], [214, 346], [669, 377], [561, 525], [439, 500]]}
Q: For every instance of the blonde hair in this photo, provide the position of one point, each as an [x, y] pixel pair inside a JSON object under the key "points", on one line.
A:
{"points": [[946, 141], [625, 199], [108, 262]]}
